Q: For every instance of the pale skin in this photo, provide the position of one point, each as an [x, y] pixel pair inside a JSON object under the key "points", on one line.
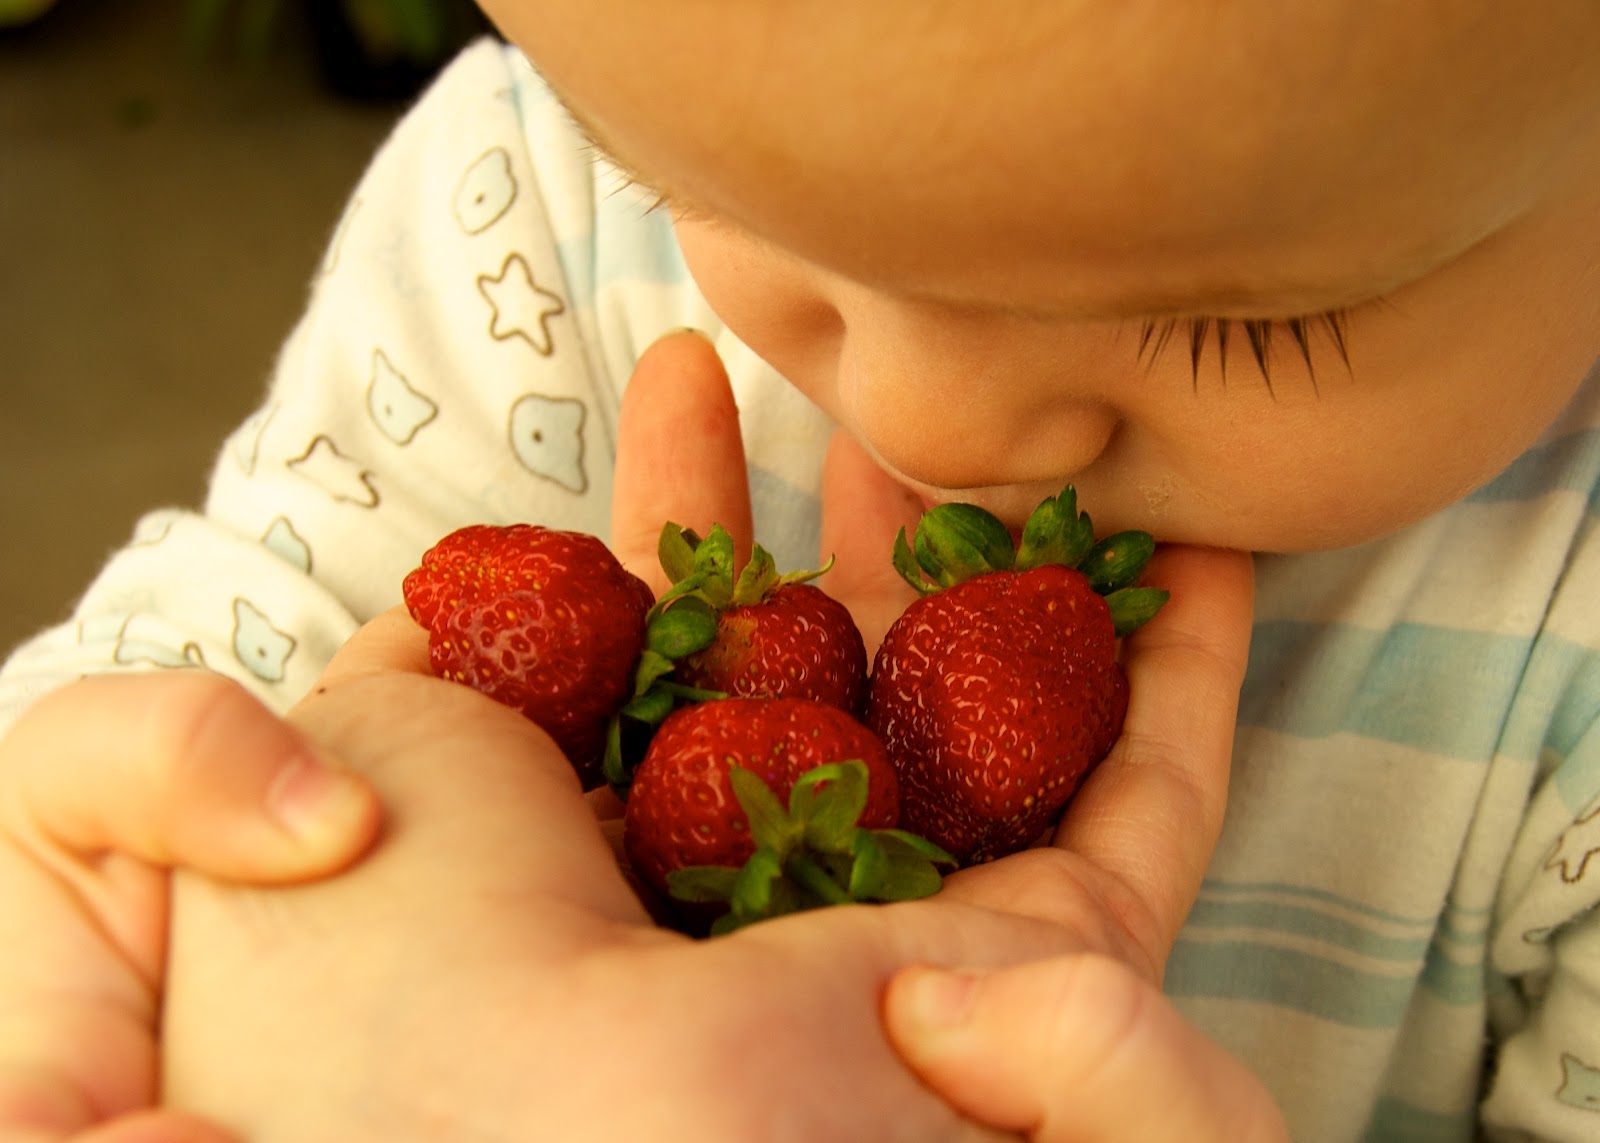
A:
{"points": [[949, 231], [576, 958]]}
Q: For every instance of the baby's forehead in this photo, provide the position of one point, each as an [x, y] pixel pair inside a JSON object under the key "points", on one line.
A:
{"points": [[1153, 137]]}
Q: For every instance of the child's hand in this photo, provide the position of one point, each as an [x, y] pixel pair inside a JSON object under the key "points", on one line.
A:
{"points": [[1077, 1048], [103, 786]]}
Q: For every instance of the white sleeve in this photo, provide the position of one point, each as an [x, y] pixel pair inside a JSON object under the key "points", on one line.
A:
{"points": [[439, 376]]}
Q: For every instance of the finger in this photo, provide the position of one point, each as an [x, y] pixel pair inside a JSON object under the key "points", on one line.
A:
{"points": [[862, 510], [391, 641], [680, 457], [1150, 813], [1069, 1049], [182, 768]]}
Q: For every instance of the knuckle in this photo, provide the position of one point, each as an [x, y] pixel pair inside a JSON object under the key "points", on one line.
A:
{"points": [[200, 722]]}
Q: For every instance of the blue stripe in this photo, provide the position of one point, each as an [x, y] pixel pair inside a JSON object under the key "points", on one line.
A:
{"points": [[1570, 464], [1216, 887], [1432, 688], [773, 499], [1396, 1121], [1287, 978], [1280, 917], [1453, 981]]}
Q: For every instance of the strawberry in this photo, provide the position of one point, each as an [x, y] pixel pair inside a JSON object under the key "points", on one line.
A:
{"points": [[706, 823], [998, 689], [545, 621], [776, 635]]}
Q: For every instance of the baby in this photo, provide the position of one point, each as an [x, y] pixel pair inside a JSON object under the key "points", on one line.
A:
{"points": [[1311, 282]]}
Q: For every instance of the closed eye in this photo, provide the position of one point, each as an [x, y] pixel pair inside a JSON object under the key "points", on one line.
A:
{"points": [[1156, 336]]}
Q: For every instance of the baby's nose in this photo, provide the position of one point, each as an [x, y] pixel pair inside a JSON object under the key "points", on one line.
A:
{"points": [[967, 416]]}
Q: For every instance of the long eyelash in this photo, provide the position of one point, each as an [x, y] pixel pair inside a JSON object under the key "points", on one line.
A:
{"points": [[1156, 335], [623, 181]]}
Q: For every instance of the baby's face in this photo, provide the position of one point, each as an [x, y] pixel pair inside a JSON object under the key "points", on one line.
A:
{"points": [[994, 241]]}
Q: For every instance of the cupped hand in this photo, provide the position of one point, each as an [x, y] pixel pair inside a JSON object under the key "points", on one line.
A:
{"points": [[103, 786], [1127, 859], [489, 974]]}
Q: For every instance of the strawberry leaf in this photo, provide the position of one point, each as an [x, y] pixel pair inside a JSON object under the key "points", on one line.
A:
{"points": [[755, 887], [899, 842], [908, 878], [905, 562], [612, 766], [1116, 561], [827, 801], [652, 665], [688, 626], [759, 575], [1132, 607], [955, 542], [702, 883], [869, 872], [1056, 533], [675, 549], [713, 563], [650, 708], [808, 575], [770, 825]]}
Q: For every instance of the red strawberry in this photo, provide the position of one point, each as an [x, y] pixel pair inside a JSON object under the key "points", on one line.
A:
{"points": [[777, 635], [704, 821], [545, 621], [998, 690]]}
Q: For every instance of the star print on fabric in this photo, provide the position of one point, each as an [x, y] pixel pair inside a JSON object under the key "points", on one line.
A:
{"points": [[336, 474], [1577, 844], [521, 307]]}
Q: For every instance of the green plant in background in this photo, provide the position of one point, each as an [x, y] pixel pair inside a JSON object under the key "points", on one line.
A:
{"points": [[416, 30], [366, 47], [15, 12]]}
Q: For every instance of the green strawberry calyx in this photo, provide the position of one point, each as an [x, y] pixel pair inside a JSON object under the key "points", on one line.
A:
{"points": [[703, 569], [956, 542], [683, 621], [811, 853]]}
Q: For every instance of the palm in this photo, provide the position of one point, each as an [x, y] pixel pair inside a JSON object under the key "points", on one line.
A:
{"points": [[1129, 855], [486, 972]]}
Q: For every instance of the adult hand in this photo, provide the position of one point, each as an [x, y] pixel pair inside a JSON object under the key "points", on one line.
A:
{"points": [[1077, 1048], [103, 786], [489, 974], [1128, 857]]}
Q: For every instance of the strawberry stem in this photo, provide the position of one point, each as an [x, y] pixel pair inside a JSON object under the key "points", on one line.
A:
{"points": [[813, 877]]}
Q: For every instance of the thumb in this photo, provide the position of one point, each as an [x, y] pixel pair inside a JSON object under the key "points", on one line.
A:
{"points": [[180, 769], [1073, 1048]]}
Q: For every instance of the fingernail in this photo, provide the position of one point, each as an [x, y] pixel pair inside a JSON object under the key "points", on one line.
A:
{"points": [[940, 997], [315, 802], [700, 333]]}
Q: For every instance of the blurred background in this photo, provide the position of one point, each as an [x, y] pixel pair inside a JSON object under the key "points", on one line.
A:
{"points": [[169, 172]]}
